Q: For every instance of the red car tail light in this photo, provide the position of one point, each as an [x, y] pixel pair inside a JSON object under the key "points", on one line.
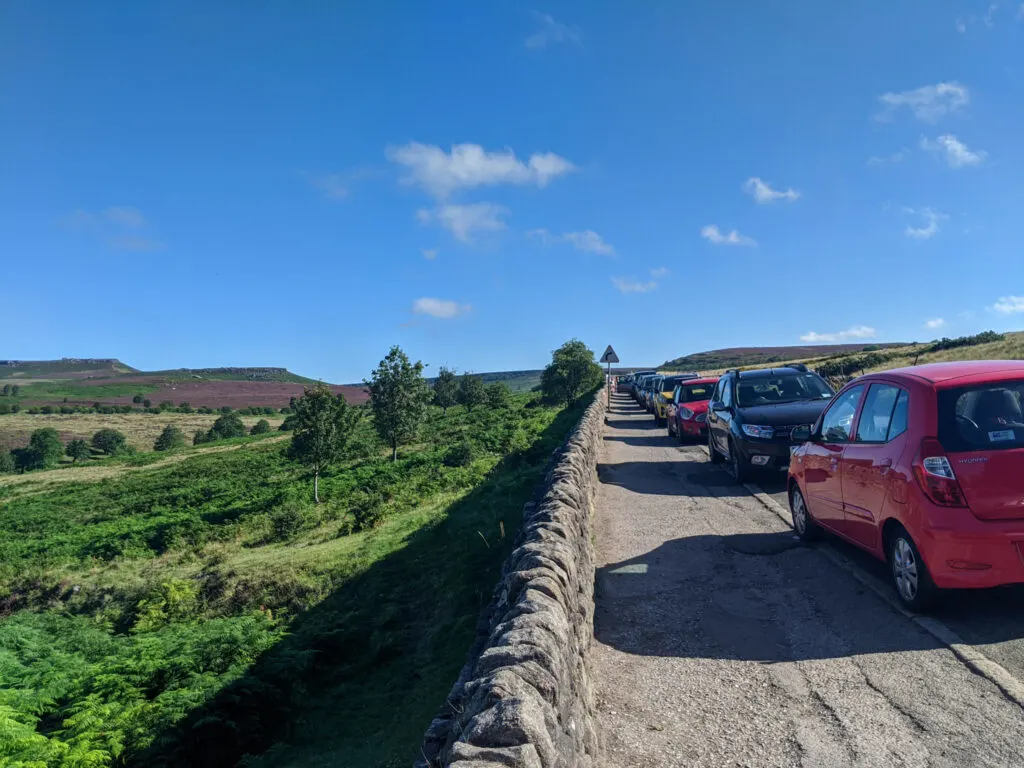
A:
{"points": [[935, 475]]}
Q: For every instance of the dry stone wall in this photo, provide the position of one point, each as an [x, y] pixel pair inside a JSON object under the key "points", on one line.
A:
{"points": [[525, 699]]}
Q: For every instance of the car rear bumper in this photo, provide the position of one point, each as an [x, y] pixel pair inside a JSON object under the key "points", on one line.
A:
{"points": [[974, 554]]}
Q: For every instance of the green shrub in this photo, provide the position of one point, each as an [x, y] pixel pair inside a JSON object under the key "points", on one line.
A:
{"points": [[227, 426], [170, 439], [78, 450], [7, 463], [460, 454], [261, 427]]}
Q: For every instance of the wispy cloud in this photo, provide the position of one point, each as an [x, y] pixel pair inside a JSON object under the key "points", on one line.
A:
{"points": [[928, 103], [333, 186], [895, 157], [931, 227], [468, 165], [628, 285], [763, 193], [1020, 13], [588, 240], [1009, 305], [429, 253], [465, 221], [440, 308], [660, 272], [552, 31], [119, 226], [856, 332], [714, 235], [990, 13], [955, 152], [935, 323]]}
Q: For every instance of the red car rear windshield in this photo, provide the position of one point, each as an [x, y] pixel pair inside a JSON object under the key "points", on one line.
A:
{"points": [[695, 393], [986, 417]]}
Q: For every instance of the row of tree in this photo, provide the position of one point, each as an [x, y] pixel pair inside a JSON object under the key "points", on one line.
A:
{"points": [[10, 390], [324, 423], [45, 449]]}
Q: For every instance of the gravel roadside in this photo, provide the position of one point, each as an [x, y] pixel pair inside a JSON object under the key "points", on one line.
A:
{"points": [[720, 640]]}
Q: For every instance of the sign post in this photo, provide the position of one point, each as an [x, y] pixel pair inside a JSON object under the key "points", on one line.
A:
{"points": [[609, 357]]}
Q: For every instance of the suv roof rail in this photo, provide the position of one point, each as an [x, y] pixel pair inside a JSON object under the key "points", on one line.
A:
{"points": [[798, 367]]}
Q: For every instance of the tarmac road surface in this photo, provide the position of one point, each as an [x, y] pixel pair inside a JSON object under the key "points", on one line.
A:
{"points": [[721, 640]]}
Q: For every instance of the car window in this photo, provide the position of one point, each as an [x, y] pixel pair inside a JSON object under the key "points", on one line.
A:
{"points": [[694, 392], [838, 419], [876, 415], [986, 417], [899, 416], [727, 394], [781, 388]]}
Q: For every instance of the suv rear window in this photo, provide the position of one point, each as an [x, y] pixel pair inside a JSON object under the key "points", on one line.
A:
{"points": [[784, 388], [987, 417]]}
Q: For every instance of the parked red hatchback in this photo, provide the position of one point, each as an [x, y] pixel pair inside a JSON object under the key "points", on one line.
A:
{"points": [[688, 412], [924, 468]]}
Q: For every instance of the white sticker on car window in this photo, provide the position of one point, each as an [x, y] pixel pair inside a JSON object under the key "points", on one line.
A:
{"points": [[1002, 434]]}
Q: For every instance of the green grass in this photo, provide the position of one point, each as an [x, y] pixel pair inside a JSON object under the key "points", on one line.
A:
{"points": [[232, 374], [80, 390], [196, 613]]}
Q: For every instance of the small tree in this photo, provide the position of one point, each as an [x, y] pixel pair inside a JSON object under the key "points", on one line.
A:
{"points": [[109, 441], [78, 450], [571, 372], [44, 449], [471, 391], [398, 397], [137, 399], [227, 426], [170, 439], [185, 407], [7, 390], [7, 463], [324, 423], [261, 427], [200, 437], [497, 395], [15, 389], [147, 403], [225, 409], [446, 390]]}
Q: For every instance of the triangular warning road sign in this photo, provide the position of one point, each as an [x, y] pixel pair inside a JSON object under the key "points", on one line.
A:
{"points": [[609, 356]]}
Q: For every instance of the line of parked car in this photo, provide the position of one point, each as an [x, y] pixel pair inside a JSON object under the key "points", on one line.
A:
{"points": [[922, 467]]}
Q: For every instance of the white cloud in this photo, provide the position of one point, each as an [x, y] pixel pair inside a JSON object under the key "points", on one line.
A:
{"points": [[956, 152], [552, 31], [659, 272], [463, 221], [961, 25], [588, 240], [469, 166], [763, 193], [856, 332], [895, 157], [927, 103], [137, 243], [712, 233], [429, 253], [931, 227], [1020, 13], [935, 324], [1009, 305], [989, 13], [119, 226], [628, 285], [441, 308]]}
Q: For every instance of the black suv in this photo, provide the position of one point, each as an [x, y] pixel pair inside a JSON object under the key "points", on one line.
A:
{"points": [[753, 413]]}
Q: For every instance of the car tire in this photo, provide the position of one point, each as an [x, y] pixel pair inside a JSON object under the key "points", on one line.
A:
{"points": [[803, 522], [910, 578], [737, 468], [713, 454], [681, 436], [668, 427]]}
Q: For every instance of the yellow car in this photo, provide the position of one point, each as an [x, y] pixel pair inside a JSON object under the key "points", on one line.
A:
{"points": [[664, 387]]}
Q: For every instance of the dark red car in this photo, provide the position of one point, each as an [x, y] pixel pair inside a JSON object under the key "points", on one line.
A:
{"points": [[688, 412], [924, 468]]}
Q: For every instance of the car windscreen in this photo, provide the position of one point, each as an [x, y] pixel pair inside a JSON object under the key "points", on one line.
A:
{"points": [[985, 417], [781, 388], [669, 383], [695, 393]]}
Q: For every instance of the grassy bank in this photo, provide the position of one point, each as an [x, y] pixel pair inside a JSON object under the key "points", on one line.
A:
{"points": [[199, 612]]}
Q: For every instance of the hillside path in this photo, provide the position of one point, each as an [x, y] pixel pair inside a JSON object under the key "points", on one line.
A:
{"points": [[720, 640]]}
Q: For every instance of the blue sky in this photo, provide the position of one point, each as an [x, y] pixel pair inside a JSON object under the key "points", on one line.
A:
{"points": [[305, 184]]}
